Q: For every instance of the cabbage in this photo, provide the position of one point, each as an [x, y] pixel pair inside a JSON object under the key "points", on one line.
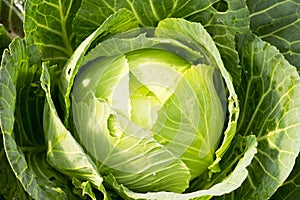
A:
{"points": [[149, 100]]}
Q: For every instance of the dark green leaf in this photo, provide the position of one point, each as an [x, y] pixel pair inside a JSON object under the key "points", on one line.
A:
{"points": [[270, 107], [278, 23], [49, 24], [93, 13], [223, 19]]}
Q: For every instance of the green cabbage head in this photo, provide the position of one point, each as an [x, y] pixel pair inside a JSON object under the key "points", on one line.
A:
{"points": [[148, 116]]}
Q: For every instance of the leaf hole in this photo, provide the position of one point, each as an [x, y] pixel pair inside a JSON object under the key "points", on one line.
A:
{"points": [[233, 117], [69, 71], [52, 178], [220, 6]]}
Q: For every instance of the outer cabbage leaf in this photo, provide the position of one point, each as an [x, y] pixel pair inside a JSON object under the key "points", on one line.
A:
{"points": [[63, 151], [278, 23], [21, 129], [10, 187], [270, 107], [223, 19], [290, 190], [93, 13], [48, 23]]}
